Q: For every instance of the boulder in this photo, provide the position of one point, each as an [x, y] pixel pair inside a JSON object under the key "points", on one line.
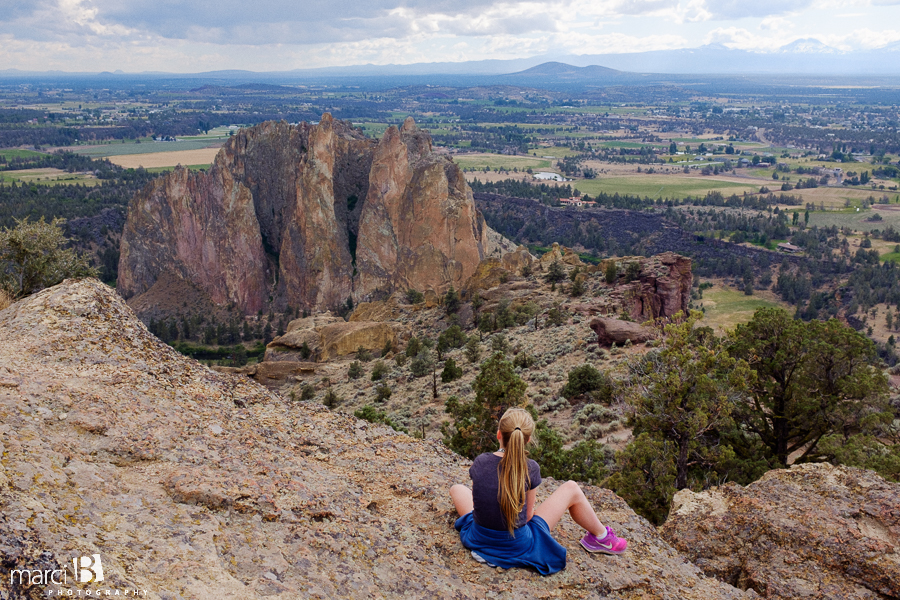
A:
{"points": [[514, 262], [489, 274], [811, 531], [615, 331], [195, 484], [341, 339], [383, 310], [561, 254]]}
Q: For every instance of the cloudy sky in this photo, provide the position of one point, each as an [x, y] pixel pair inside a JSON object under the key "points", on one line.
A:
{"points": [[267, 35]]}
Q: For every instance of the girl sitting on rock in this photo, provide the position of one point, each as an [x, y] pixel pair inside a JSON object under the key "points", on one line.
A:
{"points": [[499, 522]]}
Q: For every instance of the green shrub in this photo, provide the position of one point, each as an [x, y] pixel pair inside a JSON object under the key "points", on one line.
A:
{"points": [[451, 371], [473, 349], [452, 337], [474, 426], [355, 370], [555, 272], [413, 347], [422, 364], [451, 301], [499, 343], [379, 370], [373, 415], [612, 272], [33, 256], [307, 392], [363, 354], [331, 399], [556, 317], [584, 379], [382, 392], [414, 297], [305, 351], [586, 461], [524, 360]]}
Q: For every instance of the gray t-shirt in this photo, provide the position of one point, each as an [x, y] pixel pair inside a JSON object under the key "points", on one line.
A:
{"points": [[485, 486]]}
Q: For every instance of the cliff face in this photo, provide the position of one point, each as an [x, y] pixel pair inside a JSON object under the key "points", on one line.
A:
{"points": [[284, 210], [195, 484], [419, 227]]}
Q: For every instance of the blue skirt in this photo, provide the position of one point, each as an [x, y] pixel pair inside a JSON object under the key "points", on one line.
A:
{"points": [[533, 545]]}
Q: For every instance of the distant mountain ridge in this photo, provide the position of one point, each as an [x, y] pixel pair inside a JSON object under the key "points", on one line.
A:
{"points": [[807, 56]]}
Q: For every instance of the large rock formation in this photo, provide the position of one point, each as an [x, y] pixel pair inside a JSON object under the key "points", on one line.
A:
{"points": [[661, 288], [309, 216], [812, 531], [195, 484], [419, 227]]}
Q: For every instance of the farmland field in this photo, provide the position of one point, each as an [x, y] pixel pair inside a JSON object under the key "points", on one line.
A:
{"points": [[725, 307], [493, 161], [662, 186], [202, 156], [47, 176], [109, 150]]}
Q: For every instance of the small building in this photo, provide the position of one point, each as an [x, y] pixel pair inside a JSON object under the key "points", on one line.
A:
{"points": [[549, 176], [576, 201], [786, 247]]}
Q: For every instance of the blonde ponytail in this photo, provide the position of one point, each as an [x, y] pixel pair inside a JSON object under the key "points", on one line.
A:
{"points": [[516, 427]]}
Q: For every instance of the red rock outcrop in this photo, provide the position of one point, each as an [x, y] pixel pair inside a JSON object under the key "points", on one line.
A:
{"points": [[276, 219], [812, 531], [660, 286], [615, 331], [419, 226]]}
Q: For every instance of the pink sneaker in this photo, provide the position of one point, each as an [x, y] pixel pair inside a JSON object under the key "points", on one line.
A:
{"points": [[607, 545]]}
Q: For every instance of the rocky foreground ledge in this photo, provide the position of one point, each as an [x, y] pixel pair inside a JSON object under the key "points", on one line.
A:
{"points": [[195, 484]]}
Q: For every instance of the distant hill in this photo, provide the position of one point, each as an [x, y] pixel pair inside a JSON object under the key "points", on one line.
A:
{"points": [[563, 70]]}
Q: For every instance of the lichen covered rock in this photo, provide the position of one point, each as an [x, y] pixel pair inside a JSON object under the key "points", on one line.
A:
{"points": [[812, 531]]}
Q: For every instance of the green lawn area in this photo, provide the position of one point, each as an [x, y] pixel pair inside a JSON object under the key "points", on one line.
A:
{"points": [[633, 145], [494, 161], [892, 256], [856, 220], [555, 151], [61, 178], [726, 307], [661, 186], [12, 153], [142, 148]]}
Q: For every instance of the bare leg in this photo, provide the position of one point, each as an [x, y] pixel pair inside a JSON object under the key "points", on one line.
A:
{"points": [[569, 497], [462, 499]]}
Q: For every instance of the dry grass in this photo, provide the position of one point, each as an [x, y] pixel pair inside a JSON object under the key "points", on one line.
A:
{"points": [[5, 299], [203, 156]]}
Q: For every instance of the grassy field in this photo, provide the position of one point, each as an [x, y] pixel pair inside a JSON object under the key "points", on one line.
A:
{"points": [[482, 161], [109, 150], [202, 157], [725, 307], [47, 177], [13, 153], [662, 186], [890, 215], [554, 151]]}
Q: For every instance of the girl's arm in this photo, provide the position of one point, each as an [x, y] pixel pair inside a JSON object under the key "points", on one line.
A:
{"points": [[529, 503]]}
